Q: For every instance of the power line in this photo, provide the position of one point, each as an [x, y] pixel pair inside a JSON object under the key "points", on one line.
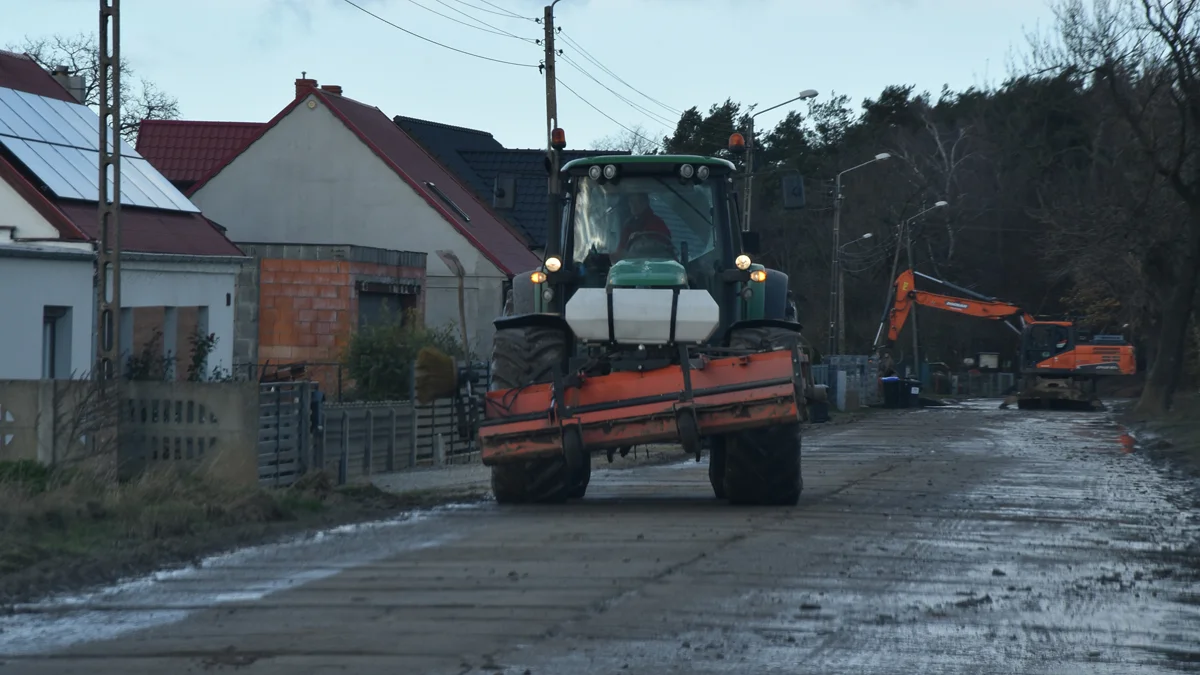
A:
{"points": [[435, 42], [649, 113], [503, 12], [486, 27], [587, 55], [606, 115]]}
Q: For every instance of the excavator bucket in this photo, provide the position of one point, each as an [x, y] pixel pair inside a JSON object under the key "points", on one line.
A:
{"points": [[703, 397]]}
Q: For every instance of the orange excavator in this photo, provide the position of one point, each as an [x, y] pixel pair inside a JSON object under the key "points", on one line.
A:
{"points": [[1060, 362]]}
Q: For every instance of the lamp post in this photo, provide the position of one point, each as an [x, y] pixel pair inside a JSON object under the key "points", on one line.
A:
{"points": [[456, 268], [901, 231], [841, 290], [834, 292], [806, 94]]}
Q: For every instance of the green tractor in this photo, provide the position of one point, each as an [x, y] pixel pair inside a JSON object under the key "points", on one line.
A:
{"points": [[648, 322]]}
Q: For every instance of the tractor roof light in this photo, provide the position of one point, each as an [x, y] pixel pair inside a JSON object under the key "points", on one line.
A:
{"points": [[558, 139], [687, 171], [702, 172], [610, 171], [595, 172], [553, 264], [742, 262], [737, 142], [758, 275], [538, 277]]}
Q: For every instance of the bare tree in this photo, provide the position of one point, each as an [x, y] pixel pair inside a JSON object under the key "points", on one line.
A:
{"points": [[634, 139], [1145, 56], [140, 98]]}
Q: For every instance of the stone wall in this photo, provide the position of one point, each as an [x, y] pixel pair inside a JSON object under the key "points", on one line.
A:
{"points": [[196, 424]]}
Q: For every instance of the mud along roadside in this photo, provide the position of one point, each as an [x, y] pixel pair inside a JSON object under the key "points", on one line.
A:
{"points": [[61, 535]]}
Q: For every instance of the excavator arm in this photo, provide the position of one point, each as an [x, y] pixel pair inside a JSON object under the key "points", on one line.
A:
{"points": [[905, 295]]}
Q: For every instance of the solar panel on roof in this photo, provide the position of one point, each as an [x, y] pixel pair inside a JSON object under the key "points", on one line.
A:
{"points": [[59, 142]]}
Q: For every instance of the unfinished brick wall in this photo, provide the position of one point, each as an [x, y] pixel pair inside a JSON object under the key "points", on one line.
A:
{"points": [[309, 309]]}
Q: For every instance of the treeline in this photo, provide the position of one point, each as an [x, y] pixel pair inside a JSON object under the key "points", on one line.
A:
{"points": [[1073, 189]]}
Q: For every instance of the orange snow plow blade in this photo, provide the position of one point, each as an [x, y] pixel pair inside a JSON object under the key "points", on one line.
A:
{"points": [[631, 408]]}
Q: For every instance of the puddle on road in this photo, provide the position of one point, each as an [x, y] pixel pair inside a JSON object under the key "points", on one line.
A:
{"points": [[244, 575]]}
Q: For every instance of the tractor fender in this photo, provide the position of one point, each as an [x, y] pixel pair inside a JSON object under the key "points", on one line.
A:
{"points": [[759, 323], [533, 319], [521, 295], [775, 305]]}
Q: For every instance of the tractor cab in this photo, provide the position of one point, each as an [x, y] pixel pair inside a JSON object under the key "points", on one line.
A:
{"points": [[650, 254]]}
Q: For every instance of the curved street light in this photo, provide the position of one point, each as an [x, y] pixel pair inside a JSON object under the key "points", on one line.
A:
{"points": [[837, 309], [806, 94]]}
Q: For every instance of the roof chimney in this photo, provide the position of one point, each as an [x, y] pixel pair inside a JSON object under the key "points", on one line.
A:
{"points": [[72, 83], [332, 88], [304, 86]]}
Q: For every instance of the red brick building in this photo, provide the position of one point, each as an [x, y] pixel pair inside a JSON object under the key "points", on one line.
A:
{"points": [[299, 304]]}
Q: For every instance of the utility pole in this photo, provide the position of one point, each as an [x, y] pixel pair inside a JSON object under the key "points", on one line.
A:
{"points": [[841, 290], [553, 186], [912, 314], [108, 244], [835, 266], [749, 171]]}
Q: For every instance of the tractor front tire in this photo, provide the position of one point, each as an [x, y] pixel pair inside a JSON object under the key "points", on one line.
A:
{"points": [[521, 357], [762, 466]]}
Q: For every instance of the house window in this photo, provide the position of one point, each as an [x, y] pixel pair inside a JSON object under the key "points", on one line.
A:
{"points": [[376, 308], [56, 343]]}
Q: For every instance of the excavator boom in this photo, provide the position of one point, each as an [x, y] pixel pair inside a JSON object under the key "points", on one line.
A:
{"points": [[906, 295]]}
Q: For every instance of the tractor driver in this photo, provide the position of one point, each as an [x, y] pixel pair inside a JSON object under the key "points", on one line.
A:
{"points": [[642, 220]]}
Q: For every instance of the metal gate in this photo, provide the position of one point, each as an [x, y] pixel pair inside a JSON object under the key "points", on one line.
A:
{"points": [[284, 432]]}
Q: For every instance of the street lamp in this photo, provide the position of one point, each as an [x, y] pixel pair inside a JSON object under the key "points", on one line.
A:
{"points": [[841, 291], [837, 339], [456, 268], [806, 94]]}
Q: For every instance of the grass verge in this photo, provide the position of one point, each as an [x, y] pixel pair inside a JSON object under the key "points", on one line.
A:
{"points": [[1174, 437], [68, 529]]}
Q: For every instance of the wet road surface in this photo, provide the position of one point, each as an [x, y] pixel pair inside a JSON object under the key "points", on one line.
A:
{"points": [[969, 540]]}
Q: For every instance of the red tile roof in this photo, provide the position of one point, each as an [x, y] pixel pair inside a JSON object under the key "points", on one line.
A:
{"points": [[21, 72], [155, 231], [187, 151], [142, 230], [486, 231]]}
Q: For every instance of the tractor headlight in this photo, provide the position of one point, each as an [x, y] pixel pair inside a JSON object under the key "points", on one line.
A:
{"points": [[610, 171], [553, 264], [687, 171], [758, 275], [538, 277], [594, 172], [742, 262], [548, 294], [702, 172]]}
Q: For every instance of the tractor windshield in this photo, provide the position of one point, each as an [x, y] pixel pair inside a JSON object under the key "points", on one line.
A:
{"points": [[647, 217]]}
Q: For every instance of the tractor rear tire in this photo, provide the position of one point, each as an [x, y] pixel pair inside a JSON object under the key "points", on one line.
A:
{"points": [[521, 357], [716, 466], [762, 466]]}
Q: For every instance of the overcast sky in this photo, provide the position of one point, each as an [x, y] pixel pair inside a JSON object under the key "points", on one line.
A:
{"points": [[238, 59]]}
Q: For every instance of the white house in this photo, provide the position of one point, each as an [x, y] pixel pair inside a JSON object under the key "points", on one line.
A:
{"points": [[178, 269], [330, 170]]}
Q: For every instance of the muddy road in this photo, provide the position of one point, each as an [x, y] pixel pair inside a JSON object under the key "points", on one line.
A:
{"points": [[967, 540]]}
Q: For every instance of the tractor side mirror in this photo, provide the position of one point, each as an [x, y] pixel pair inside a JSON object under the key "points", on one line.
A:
{"points": [[750, 243]]}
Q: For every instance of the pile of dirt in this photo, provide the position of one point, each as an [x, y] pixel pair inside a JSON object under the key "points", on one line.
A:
{"points": [[64, 529]]}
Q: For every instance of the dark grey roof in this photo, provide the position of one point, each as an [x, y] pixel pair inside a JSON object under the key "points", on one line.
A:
{"points": [[478, 159]]}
